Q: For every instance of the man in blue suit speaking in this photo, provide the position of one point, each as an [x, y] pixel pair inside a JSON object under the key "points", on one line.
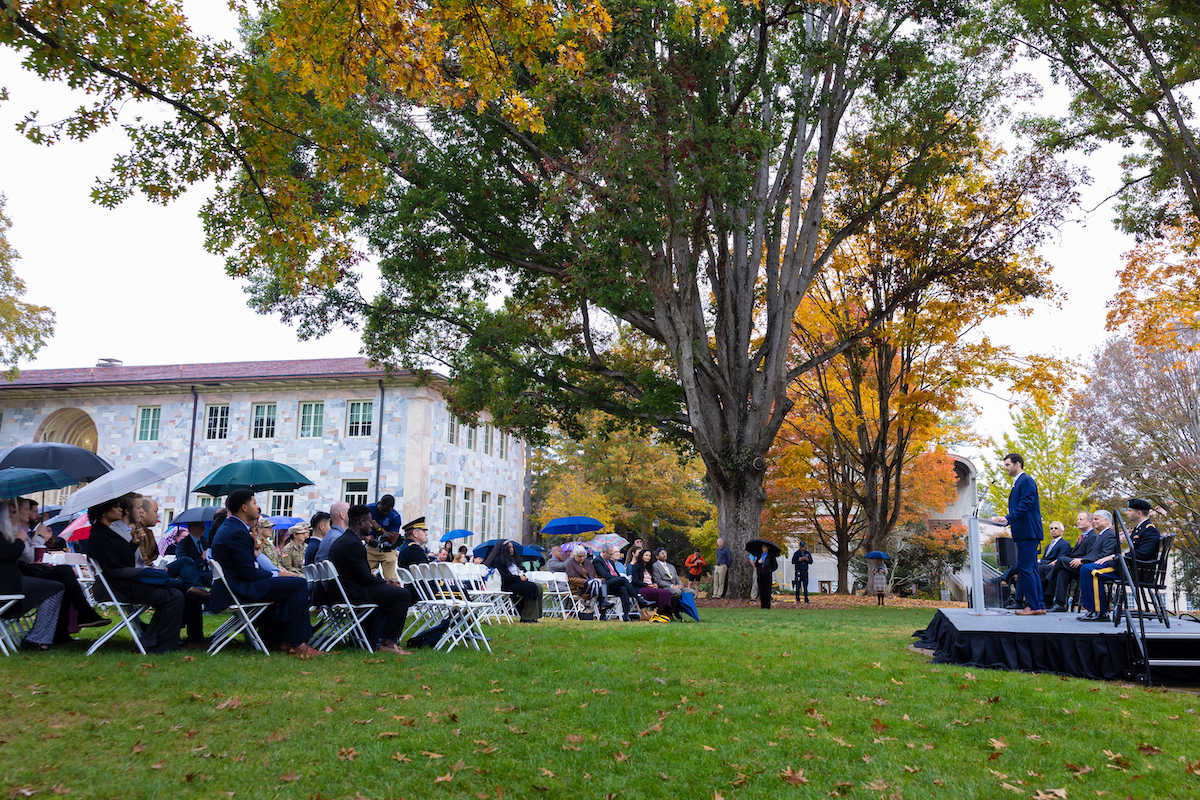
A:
{"points": [[1025, 520]]}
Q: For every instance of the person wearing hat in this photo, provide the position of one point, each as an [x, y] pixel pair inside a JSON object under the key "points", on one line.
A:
{"points": [[415, 536], [1145, 539], [801, 558], [291, 557], [385, 524]]}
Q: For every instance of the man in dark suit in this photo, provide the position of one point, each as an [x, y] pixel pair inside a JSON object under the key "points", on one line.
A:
{"points": [[1145, 538], [1102, 541], [349, 557], [1058, 548], [233, 549], [615, 581], [1024, 518], [192, 546]]}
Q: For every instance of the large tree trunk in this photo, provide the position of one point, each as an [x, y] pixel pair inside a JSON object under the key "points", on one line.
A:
{"points": [[739, 512]]}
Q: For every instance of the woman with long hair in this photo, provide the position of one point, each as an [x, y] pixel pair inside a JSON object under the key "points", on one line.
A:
{"points": [[526, 593], [44, 595], [643, 580]]}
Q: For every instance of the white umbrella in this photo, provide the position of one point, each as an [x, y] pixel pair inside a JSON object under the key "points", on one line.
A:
{"points": [[117, 483]]}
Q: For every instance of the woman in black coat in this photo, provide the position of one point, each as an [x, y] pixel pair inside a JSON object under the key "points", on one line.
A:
{"points": [[44, 595], [764, 567], [526, 593]]}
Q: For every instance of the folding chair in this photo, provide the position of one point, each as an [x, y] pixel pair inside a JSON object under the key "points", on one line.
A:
{"points": [[128, 612], [447, 594], [1152, 582], [345, 618], [423, 612], [241, 617], [505, 608], [9, 644]]}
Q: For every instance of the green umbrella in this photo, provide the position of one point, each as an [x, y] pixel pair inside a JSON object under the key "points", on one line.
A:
{"points": [[255, 475]]}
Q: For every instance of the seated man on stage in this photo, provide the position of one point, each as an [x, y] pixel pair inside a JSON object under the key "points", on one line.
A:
{"points": [[1058, 548], [1096, 545], [349, 557], [233, 549], [1145, 538]]}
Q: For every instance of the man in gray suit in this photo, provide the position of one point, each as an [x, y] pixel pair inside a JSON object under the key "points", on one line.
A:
{"points": [[667, 577]]}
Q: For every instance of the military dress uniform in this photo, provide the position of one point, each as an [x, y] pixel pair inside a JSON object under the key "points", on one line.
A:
{"points": [[1145, 539], [413, 552]]}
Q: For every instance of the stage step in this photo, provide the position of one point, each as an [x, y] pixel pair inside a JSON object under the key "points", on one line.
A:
{"points": [[1171, 662]]}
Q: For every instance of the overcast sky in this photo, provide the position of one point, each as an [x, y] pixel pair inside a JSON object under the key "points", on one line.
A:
{"points": [[135, 283]]}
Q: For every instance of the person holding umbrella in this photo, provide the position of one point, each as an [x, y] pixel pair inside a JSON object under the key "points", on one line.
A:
{"points": [[765, 563], [877, 579]]}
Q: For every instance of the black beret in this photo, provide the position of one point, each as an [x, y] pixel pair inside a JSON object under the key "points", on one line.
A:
{"points": [[1138, 504]]}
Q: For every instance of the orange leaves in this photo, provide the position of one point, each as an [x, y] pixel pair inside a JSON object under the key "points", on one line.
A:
{"points": [[1159, 293], [347, 754], [795, 777], [290, 776], [231, 703]]}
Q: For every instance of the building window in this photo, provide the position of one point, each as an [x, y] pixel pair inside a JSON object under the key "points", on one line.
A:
{"points": [[359, 421], [485, 500], [502, 446], [500, 515], [210, 501], [470, 438], [312, 420], [487, 438], [452, 429], [448, 509], [282, 504], [264, 421], [216, 424], [468, 510], [147, 430], [354, 492]]}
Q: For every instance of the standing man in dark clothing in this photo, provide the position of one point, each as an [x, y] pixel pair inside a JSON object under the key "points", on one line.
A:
{"points": [[721, 570], [233, 549], [1145, 538], [765, 565], [1025, 520], [385, 524], [349, 557], [415, 536], [801, 558]]}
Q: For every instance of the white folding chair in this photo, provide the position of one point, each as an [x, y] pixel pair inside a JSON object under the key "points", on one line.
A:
{"points": [[345, 618], [423, 612], [241, 617], [462, 614], [128, 613], [9, 628], [505, 607]]}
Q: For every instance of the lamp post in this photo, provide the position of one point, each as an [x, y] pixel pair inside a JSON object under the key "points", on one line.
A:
{"points": [[654, 536]]}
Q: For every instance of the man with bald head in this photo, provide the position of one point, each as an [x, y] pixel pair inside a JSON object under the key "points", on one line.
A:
{"points": [[338, 522]]}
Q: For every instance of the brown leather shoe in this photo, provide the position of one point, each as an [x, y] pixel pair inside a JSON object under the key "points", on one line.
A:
{"points": [[1026, 612], [303, 650]]}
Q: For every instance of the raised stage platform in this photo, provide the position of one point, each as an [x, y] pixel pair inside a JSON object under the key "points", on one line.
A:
{"points": [[1061, 644]]}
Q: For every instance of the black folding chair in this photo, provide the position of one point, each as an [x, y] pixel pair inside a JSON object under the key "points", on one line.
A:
{"points": [[1152, 583]]}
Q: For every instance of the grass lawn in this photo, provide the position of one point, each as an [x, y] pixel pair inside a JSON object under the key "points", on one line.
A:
{"points": [[749, 704]]}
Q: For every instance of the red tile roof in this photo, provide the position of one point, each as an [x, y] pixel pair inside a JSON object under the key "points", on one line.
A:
{"points": [[234, 371]]}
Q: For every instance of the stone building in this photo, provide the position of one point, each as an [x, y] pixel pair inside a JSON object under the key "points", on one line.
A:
{"points": [[356, 432]]}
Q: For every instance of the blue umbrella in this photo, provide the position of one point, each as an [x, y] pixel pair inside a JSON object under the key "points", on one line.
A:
{"points": [[283, 523], [572, 526], [482, 550], [878, 554], [16, 481], [457, 533], [196, 514]]}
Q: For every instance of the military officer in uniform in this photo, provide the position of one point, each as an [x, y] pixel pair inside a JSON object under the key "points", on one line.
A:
{"points": [[415, 536], [1145, 539]]}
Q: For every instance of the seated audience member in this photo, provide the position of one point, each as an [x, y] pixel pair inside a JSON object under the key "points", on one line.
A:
{"points": [[337, 526], [634, 550], [291, 557], [557, 562], [615, 582], [1087, 538], [461, 556], [1057, 548], [41, 593], [318, 526], [667, 577], [265, 540], [413, 551], [349, 557], [526, 593], [185, 574], [642, 576], [111, 547], [217, 521], [584, 582], [141, 531], [191, 547], [443, 555], [233, 549]]}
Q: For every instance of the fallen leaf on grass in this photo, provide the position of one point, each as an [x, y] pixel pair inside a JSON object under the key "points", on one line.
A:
{"points": [[139, 747], [401, 757], [709, 749], [1148, 750], [562, 691], [515, 729], [431, 755], [1077, 770], [1012, 788], [1051, 794], [347, 754], [664, 776], [193, 776], [232, 702], [878, 726], [545, 772], [620, 756], [793, 776], [877, 785], [387, 734], [449, 776], [911, 770], [290, 776], [195, 696], [867, 759], [999, 744], [158, 765]]}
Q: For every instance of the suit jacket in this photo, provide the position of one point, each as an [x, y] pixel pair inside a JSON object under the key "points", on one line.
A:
{"points": [[765, 567], [1024, 510], [116, 558], [1101, 545], [192, 548], [349, 557], [412, 553], [10, 573], [664, 574], [310, 549], [233, 549], [604, 573], [1057, 549]]}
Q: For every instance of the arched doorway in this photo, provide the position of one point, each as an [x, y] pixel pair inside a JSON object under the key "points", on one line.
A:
{"points": [[69, 426]]}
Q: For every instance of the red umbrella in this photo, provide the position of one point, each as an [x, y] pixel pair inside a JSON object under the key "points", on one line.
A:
{"points": [[80, 528]]}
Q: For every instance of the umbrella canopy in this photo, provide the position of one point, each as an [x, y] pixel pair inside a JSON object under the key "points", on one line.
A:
{"points": [[196, 514], [877, 554], [283, 523], [49, 509], [16, 481], [569, 547], [524, 551], [572, 526], [79, 528], [755, 546], [119, 482], [80, 464], [616, 540], [255, 475], [457, 533]]}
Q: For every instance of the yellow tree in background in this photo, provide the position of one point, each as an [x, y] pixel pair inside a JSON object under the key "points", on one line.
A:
{"points": [[1159, 294]]}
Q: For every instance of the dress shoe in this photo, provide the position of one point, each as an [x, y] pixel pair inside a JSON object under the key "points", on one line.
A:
{"points": [[1059, 608], [1030, 612], [196, 593], [1094, 616], [302, 650], [98, 622]]}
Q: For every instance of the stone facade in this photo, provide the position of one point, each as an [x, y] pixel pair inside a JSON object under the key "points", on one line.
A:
{"points": [[149, 413]]}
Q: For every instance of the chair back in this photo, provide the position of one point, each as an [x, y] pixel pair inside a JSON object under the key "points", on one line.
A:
{"points": [[1165, 543]]}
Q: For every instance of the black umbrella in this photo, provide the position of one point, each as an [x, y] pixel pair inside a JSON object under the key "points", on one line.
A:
{"points": [[196, 514], [755, 546], [80, 464]]}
